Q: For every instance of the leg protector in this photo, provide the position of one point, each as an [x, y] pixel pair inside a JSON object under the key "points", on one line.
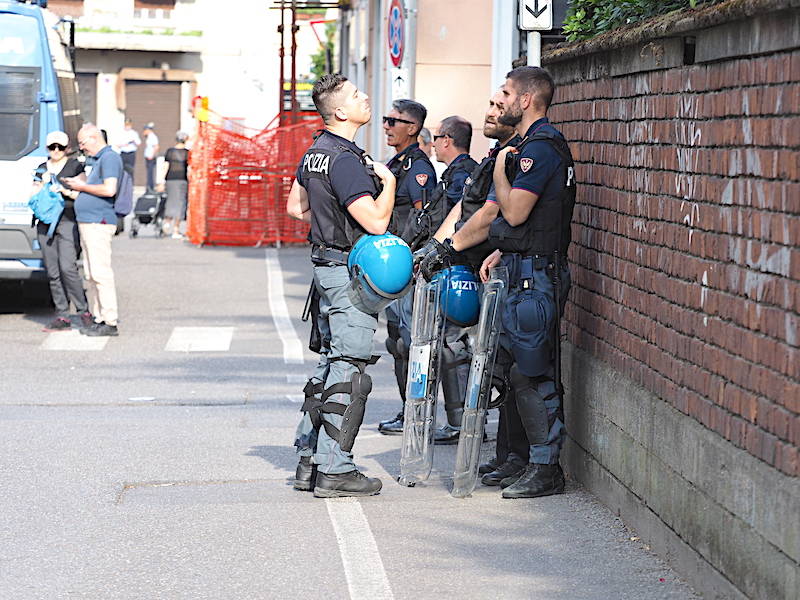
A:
{"points": [[398, 349], [531, 407], [359, 387], [453, 387], [313, 402]]}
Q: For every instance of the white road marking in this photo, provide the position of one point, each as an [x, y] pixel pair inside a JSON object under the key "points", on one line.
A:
{"points": [[292, 348], [295, 378], [296, 398], [73, 340], [363, 567], [200, 339]]}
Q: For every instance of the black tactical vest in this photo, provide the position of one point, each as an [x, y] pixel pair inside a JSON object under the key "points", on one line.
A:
{"points": [[400, 169], [547, 228], [331, 224], [476, 190]]}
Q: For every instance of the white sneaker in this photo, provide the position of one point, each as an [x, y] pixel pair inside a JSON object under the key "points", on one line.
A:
{"points": [[176, 236]]}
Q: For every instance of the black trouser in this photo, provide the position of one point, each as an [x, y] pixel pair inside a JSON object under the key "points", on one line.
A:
{"points": [[128, 162], [150, 165], [60, 254], [511, 438]]}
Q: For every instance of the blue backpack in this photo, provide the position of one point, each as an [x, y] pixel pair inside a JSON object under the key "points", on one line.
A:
{"points": [[47, 206], [123, 201]]}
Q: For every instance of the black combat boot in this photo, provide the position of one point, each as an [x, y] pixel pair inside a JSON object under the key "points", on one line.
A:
{"points": [[507, 469], [305, 474], [340, 485], [446, 434], [392, 426], [537, 480], [488, 466]]}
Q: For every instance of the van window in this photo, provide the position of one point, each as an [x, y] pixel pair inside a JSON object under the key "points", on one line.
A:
{"points": [[19, 111]]}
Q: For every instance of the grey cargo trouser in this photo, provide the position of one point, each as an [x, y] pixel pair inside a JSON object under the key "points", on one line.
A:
{"points": [[346, 333]]}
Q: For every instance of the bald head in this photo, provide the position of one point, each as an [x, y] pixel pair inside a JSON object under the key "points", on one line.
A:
{"points": [[90, 139]]}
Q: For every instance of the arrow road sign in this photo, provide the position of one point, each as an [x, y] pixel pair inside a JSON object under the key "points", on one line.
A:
{"points": [[536, 15]]}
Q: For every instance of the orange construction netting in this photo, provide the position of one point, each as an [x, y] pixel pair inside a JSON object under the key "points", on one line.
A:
{"points": [[239, 183]]}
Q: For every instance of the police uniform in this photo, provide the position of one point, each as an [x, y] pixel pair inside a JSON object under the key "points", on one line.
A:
{"points": [[334, 175], [414, 178], [535, 255]]}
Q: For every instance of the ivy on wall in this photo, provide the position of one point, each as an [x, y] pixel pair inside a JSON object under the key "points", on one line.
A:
{"points": [[588, 18]]}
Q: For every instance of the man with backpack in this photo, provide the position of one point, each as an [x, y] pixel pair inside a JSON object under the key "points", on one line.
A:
{"points": [[97, 223]]}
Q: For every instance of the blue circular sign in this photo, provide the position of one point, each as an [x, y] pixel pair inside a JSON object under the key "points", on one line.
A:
{"points": [[396, 32]]}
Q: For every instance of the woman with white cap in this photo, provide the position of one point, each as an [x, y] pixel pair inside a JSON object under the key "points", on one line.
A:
{"points": [[60, 252]]}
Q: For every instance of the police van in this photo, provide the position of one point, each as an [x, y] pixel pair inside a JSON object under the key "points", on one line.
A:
{"points": [[38, 94]]}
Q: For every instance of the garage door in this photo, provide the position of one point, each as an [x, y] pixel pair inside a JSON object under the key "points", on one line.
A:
{"points": [[159, 102]]}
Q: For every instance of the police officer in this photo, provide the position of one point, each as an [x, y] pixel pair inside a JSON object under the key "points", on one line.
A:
{"points": [[531, 236], [335, 193], [415, 177], [468, 222]]}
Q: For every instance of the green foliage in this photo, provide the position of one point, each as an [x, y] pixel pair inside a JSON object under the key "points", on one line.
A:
{"points": [[588, 18], [319, 65]]}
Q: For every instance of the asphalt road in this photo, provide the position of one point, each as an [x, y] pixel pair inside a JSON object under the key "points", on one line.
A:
{"points": [[158, 464]]}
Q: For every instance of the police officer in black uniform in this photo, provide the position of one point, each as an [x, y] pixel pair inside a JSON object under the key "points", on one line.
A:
{"points": [[531, 236], [415, 179], [337, 193], [471, 216]]}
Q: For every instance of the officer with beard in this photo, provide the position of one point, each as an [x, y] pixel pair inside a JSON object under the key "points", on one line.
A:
{"points": [[530, 236]]}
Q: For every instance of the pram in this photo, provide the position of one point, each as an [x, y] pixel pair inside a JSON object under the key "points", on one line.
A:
{"points": [[149, 210]]}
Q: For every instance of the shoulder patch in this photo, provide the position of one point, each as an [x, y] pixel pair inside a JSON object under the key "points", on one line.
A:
{"points": [[422, 179], [525, 164]]}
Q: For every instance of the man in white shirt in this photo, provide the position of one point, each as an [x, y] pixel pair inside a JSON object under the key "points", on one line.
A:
{"points": [[150, 154], [128, 143]]}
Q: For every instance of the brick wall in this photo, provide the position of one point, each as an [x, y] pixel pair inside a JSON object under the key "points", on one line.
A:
{"points": [[682, 359], [686, 266]]}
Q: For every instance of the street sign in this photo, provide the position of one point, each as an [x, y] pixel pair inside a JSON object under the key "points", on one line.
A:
{"points": [[400, 83], [536, 15], [396, 32]]}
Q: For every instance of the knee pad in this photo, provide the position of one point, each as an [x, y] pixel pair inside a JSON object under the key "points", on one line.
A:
{"points": [[313, 402], [531, 407], [359, 387]]}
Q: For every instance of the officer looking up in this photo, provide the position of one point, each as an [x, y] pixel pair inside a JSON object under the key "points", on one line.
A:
{"points": [[531, 237], [335, 192], [414, 174]]}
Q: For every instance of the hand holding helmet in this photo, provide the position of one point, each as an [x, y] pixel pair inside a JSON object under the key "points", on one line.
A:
{"points": [[442, 255]]}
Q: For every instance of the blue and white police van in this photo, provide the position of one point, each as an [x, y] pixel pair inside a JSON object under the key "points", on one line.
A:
{"points": [[38, 94]]}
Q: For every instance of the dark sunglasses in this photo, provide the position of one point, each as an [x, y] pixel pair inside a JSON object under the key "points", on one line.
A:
{"points": [[392, 121], [56, 147], [438, 137]]}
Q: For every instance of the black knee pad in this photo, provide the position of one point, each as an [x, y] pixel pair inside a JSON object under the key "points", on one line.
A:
{"points": [[359, 387], [313, 402], [531, 407]]}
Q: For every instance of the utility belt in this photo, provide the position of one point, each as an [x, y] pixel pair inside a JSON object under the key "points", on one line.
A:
{"points": [[323, 255], [521, 268]]}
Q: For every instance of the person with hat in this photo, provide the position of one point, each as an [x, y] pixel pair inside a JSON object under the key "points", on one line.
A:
{"points": [[150, 154], [60, 251]]}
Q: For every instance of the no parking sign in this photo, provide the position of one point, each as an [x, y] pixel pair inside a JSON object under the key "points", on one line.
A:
{"points": [[396, 32]]}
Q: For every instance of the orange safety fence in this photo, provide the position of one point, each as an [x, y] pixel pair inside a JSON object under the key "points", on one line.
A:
{"points": [[239, 183]]}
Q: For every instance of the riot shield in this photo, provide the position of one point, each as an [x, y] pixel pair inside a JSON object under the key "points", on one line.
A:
{"points": [[479, 384], [427, 324]]}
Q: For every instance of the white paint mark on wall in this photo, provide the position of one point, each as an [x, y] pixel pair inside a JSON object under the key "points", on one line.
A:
{"points": [[704, 295]]}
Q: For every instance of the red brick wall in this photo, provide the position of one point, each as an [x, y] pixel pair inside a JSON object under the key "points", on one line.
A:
{"points": [[686, 267]]}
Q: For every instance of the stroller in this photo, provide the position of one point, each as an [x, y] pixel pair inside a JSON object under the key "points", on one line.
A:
{"points": [[149, 210]]}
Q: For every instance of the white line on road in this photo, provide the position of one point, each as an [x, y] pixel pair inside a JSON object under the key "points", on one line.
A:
{"points": [[296, 398], [292, 348], [200, 339], [73, 340], [363, 567]]}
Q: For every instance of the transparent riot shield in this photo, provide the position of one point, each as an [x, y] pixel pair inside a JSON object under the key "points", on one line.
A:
{"points": [[479, 384], [427, 322]]}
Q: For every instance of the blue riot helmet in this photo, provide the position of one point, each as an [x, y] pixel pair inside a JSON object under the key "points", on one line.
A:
{"points": [[460, 295], [380, 271]]}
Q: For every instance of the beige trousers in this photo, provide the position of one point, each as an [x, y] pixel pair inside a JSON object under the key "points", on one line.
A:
{"points": [[101, 292]]}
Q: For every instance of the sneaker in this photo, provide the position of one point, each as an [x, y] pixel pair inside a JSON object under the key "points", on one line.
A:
{"points": [[176, 236], [58, 324], [101, 329], [341, 485], [87, 320], [305, 475]]}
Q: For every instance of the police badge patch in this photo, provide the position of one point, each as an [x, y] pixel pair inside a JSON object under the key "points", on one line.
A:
{"points": [[422, 179], [525, 164]]}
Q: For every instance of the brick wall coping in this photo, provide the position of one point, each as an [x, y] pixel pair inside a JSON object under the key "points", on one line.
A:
{"points": [[674, 23]]}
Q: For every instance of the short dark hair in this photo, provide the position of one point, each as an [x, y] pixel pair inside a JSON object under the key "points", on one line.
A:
{"points": [[324, 89], [457, 129], [413, 109], [536, 81]]}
